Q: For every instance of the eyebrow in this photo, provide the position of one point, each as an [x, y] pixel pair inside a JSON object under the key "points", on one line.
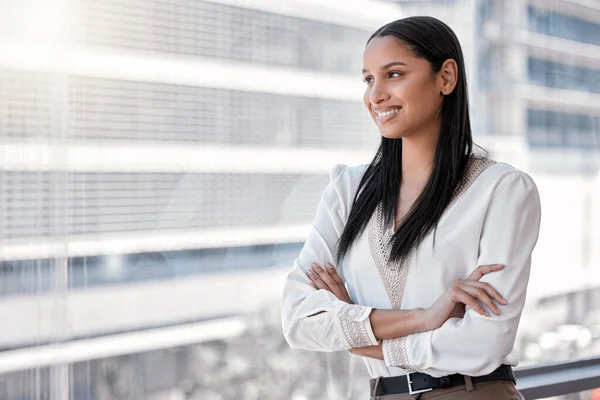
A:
{"points": [[388, 65]]}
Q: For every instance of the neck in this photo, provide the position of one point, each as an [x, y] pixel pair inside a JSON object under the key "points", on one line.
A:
{"points": [[418, 152]]}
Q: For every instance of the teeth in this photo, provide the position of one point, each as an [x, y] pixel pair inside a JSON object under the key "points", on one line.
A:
{"points": [[385, 114]]}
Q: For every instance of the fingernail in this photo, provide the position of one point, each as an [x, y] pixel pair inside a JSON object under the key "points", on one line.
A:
{"points": [[315, 264], [329, 266], [309, 272], [486, 314], [504, 301]]}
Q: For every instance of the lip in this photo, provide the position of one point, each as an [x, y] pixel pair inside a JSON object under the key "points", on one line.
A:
{"points": [[387, 118], [384, 109]]}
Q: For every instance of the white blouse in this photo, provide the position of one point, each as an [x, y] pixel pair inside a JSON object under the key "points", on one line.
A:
{"points": [[493, 219]]}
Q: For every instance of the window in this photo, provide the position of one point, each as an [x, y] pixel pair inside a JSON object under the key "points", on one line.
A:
{"points": [[562, 130], [552, 23], [563, 76]]}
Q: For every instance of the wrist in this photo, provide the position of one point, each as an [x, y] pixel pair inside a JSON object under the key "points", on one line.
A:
{"points": [[424, 320], [419, 321]]}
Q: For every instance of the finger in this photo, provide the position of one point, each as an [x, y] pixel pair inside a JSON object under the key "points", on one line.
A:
{"points": [[489, 289], [316, 281], [484, 269], [460, 296], [341, 286], [470, 301], [482, 296], [334, 275], [324, 276]]}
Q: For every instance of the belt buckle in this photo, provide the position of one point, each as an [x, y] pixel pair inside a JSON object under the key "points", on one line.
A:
{"points": [[410, 389]]}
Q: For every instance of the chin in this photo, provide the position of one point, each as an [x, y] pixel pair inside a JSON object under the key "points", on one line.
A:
{"points": [[390, 134]]}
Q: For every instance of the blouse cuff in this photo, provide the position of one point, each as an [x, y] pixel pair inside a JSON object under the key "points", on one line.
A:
{"points": [[356, 326], [395, 353]]}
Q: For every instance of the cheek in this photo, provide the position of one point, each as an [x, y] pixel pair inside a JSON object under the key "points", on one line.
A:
{"points": [[422, 98], [410, 91], [366, 99]]}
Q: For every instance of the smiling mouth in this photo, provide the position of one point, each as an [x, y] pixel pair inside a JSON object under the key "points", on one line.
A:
{"points": [[387, 115]]}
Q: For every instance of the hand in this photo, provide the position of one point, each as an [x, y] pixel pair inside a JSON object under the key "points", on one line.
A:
{"points": [[328, 279], [375, 352], [465, 292]]}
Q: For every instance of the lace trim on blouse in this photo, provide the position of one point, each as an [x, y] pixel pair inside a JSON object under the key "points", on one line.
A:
{"points": [[394, 275], [355, 324]]}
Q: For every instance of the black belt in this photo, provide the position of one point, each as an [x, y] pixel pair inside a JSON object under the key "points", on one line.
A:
{"points": [[418, 382]]}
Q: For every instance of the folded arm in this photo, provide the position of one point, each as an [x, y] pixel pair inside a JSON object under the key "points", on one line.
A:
{"points": [[316, 319], [476, 345]]}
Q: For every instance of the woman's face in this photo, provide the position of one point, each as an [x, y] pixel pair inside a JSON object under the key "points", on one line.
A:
{"points": [[403, 94]]}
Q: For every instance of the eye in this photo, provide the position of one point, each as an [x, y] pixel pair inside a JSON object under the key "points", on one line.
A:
{"points": [[394, 74], [368, 79]]}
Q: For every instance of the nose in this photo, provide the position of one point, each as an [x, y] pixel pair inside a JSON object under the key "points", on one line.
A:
{"points": [[378, 94]]}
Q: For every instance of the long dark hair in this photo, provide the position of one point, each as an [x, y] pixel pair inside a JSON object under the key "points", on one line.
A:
{"points": [[434, 41]]}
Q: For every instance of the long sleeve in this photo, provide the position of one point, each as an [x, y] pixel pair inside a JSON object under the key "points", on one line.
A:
{"points": [[476, 345], [315, 319]]}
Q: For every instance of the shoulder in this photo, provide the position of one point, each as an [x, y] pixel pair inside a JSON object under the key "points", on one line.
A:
{"points": [[346, 178], [347, 173], [501, 174], [344, 182], [503, 182]]}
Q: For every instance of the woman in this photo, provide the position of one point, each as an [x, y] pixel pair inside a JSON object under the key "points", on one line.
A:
{"points": [[433, 242]]}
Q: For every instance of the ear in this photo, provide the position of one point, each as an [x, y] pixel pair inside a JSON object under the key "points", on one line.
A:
{"points": [[448, 76]]}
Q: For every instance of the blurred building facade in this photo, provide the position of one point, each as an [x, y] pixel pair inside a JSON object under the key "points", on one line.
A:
{"points": [[161, 164], [162, 161]]}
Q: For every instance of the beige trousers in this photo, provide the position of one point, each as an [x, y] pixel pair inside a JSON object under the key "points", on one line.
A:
{"points": [[496, 390]]}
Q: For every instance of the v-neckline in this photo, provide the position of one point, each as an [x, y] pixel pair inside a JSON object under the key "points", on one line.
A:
{"points": [[474, 168], [380, 237]]}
